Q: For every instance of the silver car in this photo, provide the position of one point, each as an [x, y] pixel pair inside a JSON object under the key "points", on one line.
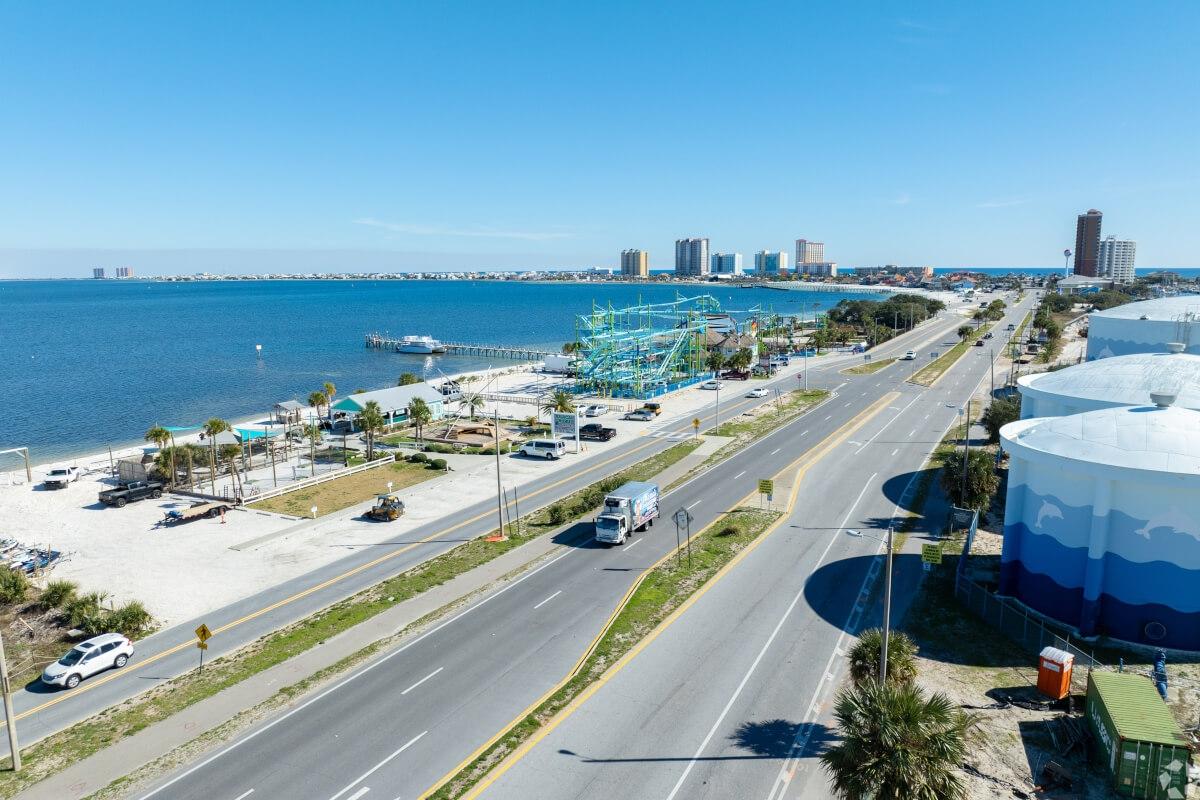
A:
{"points": [[107, 651]]}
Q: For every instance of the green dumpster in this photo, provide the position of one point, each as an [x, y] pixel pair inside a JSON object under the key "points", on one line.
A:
{"points": [[1136, 737]]}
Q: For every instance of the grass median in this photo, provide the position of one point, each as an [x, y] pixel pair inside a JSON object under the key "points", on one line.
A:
{"points": [[869, 367], [661, 592], [931, 372], [54, 753]]}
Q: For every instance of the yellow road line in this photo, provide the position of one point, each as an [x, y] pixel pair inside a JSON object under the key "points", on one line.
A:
{"points": [[805, 462]]}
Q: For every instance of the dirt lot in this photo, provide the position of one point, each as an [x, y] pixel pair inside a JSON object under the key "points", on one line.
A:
{"points": [[349, 490]]}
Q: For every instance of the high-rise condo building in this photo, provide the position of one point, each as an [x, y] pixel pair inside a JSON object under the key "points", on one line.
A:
{"points": [[691, 257], [809, 252], [770, 262], [1087, 243], [727, 263], [1114, 259], [98, 273], [820, 269], [635, 263], [124, 272]]}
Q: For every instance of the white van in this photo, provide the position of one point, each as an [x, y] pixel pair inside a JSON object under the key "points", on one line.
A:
{"points": [[544, 448]]}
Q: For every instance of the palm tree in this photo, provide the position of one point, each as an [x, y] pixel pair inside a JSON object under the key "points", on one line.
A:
{"points": [[371, 421], [317, 399], [715, 361], [419, 414], [863, 658], [211, 429], [313, 434], [229, 454], [159, 436], [964, 331], [473, 400], [408, 379], [330, 391], [741, 359], [897, 744], [558, 401]]}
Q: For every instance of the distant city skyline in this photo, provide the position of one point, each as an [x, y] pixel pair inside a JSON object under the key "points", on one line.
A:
{"points": [[498, 136]]}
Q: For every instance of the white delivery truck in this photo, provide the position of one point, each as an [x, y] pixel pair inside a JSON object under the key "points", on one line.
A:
{"points": [[560, 365], [632, 507]]}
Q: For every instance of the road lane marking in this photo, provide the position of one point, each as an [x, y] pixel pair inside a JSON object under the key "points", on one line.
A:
{"points": [[244, 795], [418, 683], [740, 474], [693, 505], [829, 418], [912, 433], [547, 600], [805, 433], [629, 547], [805, 462], [766, 646], [878, 433], [372, 770], [897, 450], [847, 405], [773, 452]]}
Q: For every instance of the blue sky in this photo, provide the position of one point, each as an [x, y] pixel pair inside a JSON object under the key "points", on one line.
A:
{"points": [[242, 136]]}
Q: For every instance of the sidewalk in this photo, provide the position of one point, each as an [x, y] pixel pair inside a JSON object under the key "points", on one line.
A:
{"points": [[126, 756]]}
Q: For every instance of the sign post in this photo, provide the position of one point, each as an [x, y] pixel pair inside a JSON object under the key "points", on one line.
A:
{"points": [[767, 487], [203, 634], [931, 554], [683, 521], [696, 425]]}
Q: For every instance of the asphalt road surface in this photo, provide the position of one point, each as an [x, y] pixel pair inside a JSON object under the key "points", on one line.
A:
{"points": [[398, 725]]}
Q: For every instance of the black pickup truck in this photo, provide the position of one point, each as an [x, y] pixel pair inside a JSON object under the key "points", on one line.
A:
{"points": [[138, 490], [596, 432]]}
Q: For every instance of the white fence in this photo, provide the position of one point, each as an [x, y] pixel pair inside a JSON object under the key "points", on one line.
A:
{"points": [[317, 479]]}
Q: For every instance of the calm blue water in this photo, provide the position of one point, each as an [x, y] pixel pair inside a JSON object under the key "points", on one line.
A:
{"points": [[87, 364]]}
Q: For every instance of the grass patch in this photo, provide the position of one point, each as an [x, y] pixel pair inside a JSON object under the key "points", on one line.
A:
{"points": [[868, 367], [931, 372], [54, 753], [347, 490], [662, 591], [772, 415]]}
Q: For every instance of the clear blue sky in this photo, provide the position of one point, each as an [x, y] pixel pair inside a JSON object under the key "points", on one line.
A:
{"points": [[176, 136]]}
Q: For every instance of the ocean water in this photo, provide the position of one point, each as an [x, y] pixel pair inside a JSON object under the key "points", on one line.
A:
{"points": [[88, 364]]}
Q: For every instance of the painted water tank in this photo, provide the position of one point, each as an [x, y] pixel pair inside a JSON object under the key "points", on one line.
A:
{"points": [[1145, 327], [1102, 523], [1118, 381]]}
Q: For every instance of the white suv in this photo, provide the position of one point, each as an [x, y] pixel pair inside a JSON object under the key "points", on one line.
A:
{"points": [[107, 651]]}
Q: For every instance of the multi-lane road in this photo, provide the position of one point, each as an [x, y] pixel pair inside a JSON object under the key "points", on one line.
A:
{"points": [[395, 727]]}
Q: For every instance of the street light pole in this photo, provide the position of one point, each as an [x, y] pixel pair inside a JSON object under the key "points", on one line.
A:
{"points": [[887, 610], [499, 491], [966, 452]]}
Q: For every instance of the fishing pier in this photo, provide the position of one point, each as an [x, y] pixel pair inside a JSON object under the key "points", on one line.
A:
{"points": [[382, 341]]}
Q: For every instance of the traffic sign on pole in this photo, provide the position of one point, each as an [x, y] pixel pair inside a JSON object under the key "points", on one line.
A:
{"points": [[766, 486], [203, 633], [931, 553]]}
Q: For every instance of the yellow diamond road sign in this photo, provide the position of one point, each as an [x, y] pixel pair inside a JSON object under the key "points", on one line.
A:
{"points": [[203, 633]]}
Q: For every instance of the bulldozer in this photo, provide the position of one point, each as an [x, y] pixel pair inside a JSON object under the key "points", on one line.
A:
{"points": [[388, 507]]}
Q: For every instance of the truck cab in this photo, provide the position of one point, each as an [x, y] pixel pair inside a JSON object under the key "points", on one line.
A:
{"points": [[631, 507]]}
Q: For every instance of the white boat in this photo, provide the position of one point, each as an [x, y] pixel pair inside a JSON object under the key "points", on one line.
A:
{"points": [[423, 345]]}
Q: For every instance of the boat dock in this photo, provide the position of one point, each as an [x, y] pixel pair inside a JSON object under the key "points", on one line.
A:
{"points": [[382, 341]]}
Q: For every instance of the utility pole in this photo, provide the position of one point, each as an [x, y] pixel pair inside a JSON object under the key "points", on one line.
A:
{"points": [[966, 452], [10, 718], [887, 610], [499, 491]]}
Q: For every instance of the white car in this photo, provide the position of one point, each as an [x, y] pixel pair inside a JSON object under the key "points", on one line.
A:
{"points": [[911, 355], [595, 411], [759, 392], [713, 385], [107, 651], [59, 477]]}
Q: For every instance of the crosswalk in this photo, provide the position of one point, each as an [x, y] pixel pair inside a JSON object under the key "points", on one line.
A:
{"points": [[670, 436]]}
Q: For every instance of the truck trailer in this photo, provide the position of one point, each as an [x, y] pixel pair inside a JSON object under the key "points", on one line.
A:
{"points": [[632, 507]]}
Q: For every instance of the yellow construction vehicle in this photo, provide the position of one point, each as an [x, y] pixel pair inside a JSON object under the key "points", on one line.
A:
{"points": [[388, 507]]}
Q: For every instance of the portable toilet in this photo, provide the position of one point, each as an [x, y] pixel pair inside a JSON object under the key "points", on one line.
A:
{"points": [[1136, 736], [1054, 672]]}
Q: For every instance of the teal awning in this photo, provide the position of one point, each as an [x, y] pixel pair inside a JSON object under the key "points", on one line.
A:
{"points": [[250, 433]]}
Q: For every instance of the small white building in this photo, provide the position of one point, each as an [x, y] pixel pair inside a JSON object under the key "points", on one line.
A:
{"points": [[393, 403]]}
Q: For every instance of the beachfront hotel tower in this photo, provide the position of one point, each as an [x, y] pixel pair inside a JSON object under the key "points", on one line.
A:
{"points": [[1087, 243], [635, 263], [691, 257], [727, 263], [1114, 259], [770, 262], [809, 252]]}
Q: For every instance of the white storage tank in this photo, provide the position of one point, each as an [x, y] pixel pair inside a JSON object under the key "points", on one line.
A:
{"points": [[1145, 327], [1118, 381], [1102, 523]]}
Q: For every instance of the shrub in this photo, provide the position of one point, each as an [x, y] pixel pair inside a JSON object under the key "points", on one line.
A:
{"points": [[85, 612], [13, 586], [438, 448], [1002, 411], [418, 458], [863, 658], [438, 463], [131, 619], [58, 594], [557, 514]]}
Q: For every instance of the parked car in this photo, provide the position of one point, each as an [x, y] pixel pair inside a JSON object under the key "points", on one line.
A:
{"points": [[595, 411], [640, 415], [595, 432], [107, 651], [653, 408], [759, 392], [130, 492], [911, 355], [59, 477], [544, 448], [735, 375], [763, 370], [711, 385]]}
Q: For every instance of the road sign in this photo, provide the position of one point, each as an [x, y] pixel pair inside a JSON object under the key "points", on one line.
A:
{"points": [[696, 423], [766, 486], [866, 357], [203, 633], [931, 553], [682, 518], [202, 645]]}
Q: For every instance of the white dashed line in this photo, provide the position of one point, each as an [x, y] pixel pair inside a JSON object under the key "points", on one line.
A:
{"points": [[551, 597], [427, 677]]}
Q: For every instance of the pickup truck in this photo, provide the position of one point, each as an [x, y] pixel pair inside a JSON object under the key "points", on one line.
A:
{"points": [[735, 375], [138, 490], [59, 477], [595, 432]]}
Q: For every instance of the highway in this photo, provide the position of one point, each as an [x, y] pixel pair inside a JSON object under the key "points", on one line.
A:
{"points": [[731, 700], [407, 718]]}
